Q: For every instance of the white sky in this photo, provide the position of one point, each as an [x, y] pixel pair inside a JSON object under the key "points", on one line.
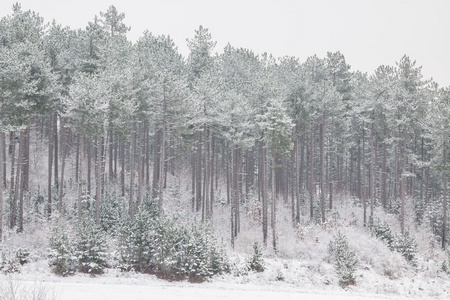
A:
{"points": [[368, 32]]}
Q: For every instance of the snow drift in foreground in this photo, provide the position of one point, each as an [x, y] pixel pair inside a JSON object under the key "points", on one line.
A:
{"points": [[117, 288]]}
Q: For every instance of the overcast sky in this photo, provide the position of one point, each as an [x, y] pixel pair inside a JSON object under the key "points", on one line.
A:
{"points": [[368, 32]]}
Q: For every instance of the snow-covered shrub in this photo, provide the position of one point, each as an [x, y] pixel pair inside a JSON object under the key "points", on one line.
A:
{"points": [[382, 231], [9, 262], [111, 212], [345, 259], [22, 255], [90, 247], [406, 245], [446, 264], [62, 259], [256, 262], [219, 259]]}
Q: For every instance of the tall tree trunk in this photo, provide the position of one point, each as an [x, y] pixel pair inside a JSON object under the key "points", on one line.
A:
{"points": [[206, 192], [12, 153], [273, 220], [3, 161], [163, 157], [111, 153], [98, 177], [322, 170], [403, 186], [300, 172], [50, 167], [122, 165], [89, 166], [233, 199], [198, 176], [363, 188], [262, 184], [444, 198], [372, 171], [21, 186], [80, 174], [64, 146], [384, 177], [311, 173], [133, 154], [213, 154], [139, 164], [193, 174], [2, 175], [156, 163]]}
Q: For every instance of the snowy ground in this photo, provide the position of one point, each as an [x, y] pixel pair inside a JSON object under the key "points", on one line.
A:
{"points": [[150, 288], [115, 285]]}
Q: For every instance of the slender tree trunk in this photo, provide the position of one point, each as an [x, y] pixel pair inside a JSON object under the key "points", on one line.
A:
{"points": [[422, 173], [213, 154], [21, 175], [3, 161], [372, 171], [300, 172], [89, 165], [322, 170], [50, 167], [403, 187], [444, 198], [163, 156], [2, 185], [56, 153], [12, 153], [122, 166], [384, 177], [80, 174], [228, 173], [363, 188], [156, 163], [98, 177], [311, 173], [233, 199], [262, 184], [111, 153], [139, 164], [198, 176], [273, 222], [133, 152], [193, 174], [64, 146]]}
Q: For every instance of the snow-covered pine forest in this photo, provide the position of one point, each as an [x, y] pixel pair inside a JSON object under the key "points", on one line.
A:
{"points": [[124, 157]]}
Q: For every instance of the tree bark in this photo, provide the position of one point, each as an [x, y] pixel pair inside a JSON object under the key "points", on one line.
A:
{"points": [[2, 186], [50, 167], [21, 186], [363, 188], [80, 174], [444, 198], [98, 177], [133, 152]]}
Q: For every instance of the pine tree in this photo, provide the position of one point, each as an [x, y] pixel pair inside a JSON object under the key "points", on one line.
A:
{"points": [[345, 259], [62, 256], [90, 247]]}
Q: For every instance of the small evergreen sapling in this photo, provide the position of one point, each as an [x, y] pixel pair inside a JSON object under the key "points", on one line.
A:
{"points": [[256, 262], [345, 259], [406, 245], [62, 258], [90, 247]]}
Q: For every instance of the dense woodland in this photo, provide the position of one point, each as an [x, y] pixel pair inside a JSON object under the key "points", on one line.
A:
{"points": [[133, 118]]}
